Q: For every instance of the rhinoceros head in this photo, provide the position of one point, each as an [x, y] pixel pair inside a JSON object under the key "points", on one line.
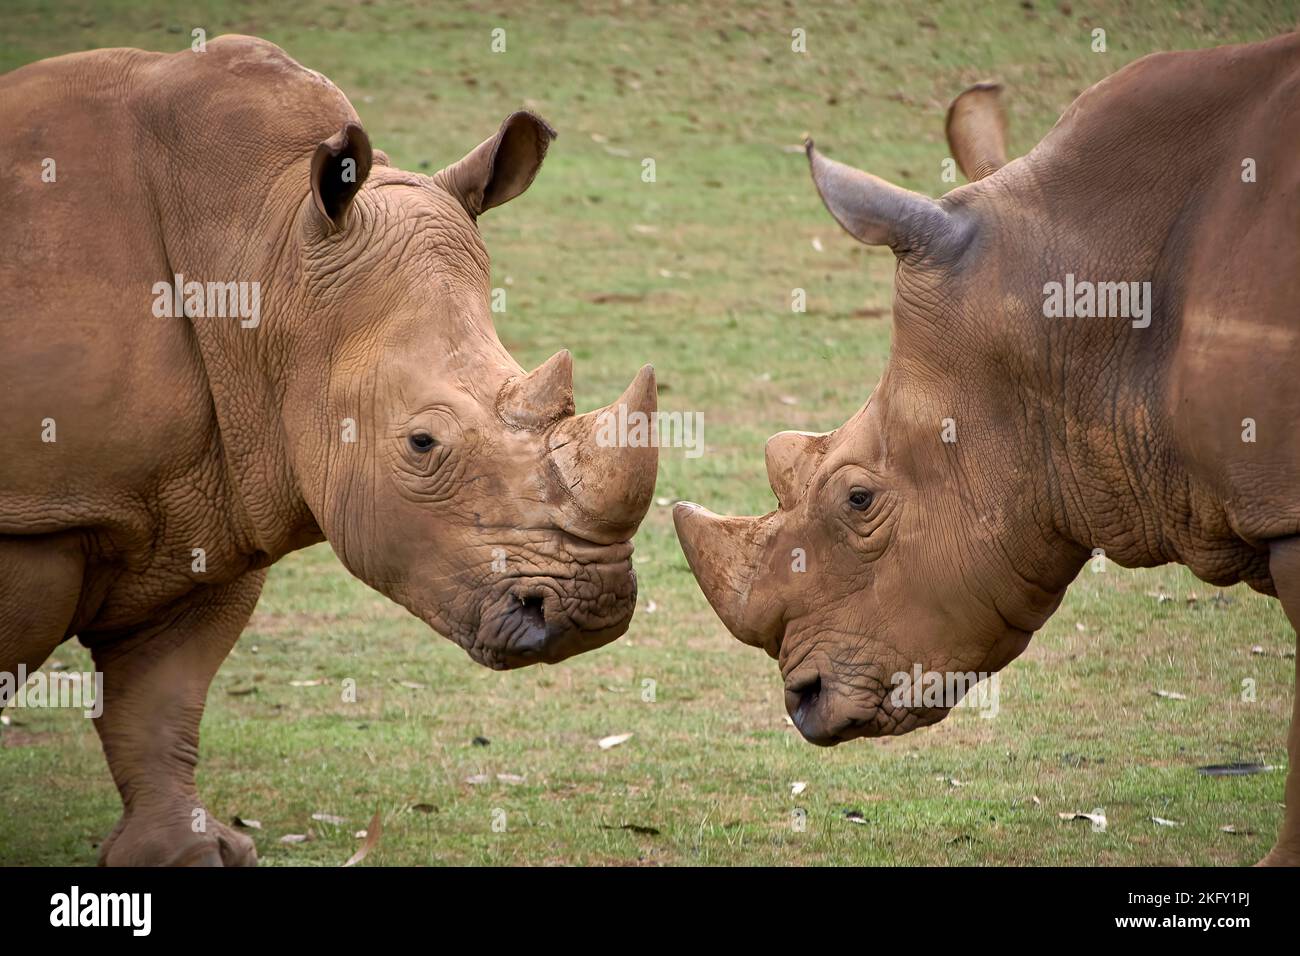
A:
{"points": [[907, 539], [443, 474]]}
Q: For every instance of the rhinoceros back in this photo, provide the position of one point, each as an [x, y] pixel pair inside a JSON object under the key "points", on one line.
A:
{"points": [[128, 167]]}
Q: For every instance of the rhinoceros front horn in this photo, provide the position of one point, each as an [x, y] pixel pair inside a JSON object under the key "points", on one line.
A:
{"points": [[605, 462], [721, 551], [542, 396]]}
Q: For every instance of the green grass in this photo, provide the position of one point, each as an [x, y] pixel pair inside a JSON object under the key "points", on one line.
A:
{"points": [[716, 98]]}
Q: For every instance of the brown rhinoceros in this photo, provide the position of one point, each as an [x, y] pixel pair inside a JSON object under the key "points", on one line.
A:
{"points": [[162, 449], [1007, 441]]}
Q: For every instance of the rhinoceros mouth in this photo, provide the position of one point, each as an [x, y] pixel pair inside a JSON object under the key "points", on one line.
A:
{"points": [[546, 619], [826, 715], [827, 710]]}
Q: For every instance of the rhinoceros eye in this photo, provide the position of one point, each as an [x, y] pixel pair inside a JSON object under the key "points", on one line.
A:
{"points": [[860, 499], [422, 442]]}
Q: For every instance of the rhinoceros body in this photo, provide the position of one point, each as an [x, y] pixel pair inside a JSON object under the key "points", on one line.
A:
{"points": [[230, 330], [1021, 429]]}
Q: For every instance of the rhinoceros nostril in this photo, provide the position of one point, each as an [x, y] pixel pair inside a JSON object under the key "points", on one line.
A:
{"points": [[802, 697], [533, 610], [811, 708], [809, 696]]}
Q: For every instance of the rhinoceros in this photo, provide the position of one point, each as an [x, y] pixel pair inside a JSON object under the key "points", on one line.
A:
{"points": [[164, 446], [1009, 441]]}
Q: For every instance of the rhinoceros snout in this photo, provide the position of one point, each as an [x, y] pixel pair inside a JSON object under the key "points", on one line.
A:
{"points": [[541, 622], [527, 617], [813, 708]]}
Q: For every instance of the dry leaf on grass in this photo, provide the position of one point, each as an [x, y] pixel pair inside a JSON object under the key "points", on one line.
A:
{"points": [[1097, 818], [1260, 651], [292, 838], [613, 741], [373, 833], [329, 818], [246, 824], [1233, 769], [633, 827]]}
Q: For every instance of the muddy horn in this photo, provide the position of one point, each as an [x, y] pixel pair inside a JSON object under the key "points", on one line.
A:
{"points": [[721, 551], [605, 461], [542, 396]]}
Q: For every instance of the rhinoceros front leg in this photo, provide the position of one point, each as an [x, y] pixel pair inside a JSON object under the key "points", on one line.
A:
{"points": [[40, 585], [1284, 566], [155, 685]]}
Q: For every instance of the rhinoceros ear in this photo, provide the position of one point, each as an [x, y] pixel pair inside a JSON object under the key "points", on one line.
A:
{"points": [[338, 168], [500, 168], [976, 128], [882, 214]]}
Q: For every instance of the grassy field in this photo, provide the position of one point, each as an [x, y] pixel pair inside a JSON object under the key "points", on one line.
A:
{"points": [[694, 273]]}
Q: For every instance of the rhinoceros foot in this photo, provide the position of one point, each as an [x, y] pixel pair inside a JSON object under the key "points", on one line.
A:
{"points": [[167, 838], [1281, 856]]}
